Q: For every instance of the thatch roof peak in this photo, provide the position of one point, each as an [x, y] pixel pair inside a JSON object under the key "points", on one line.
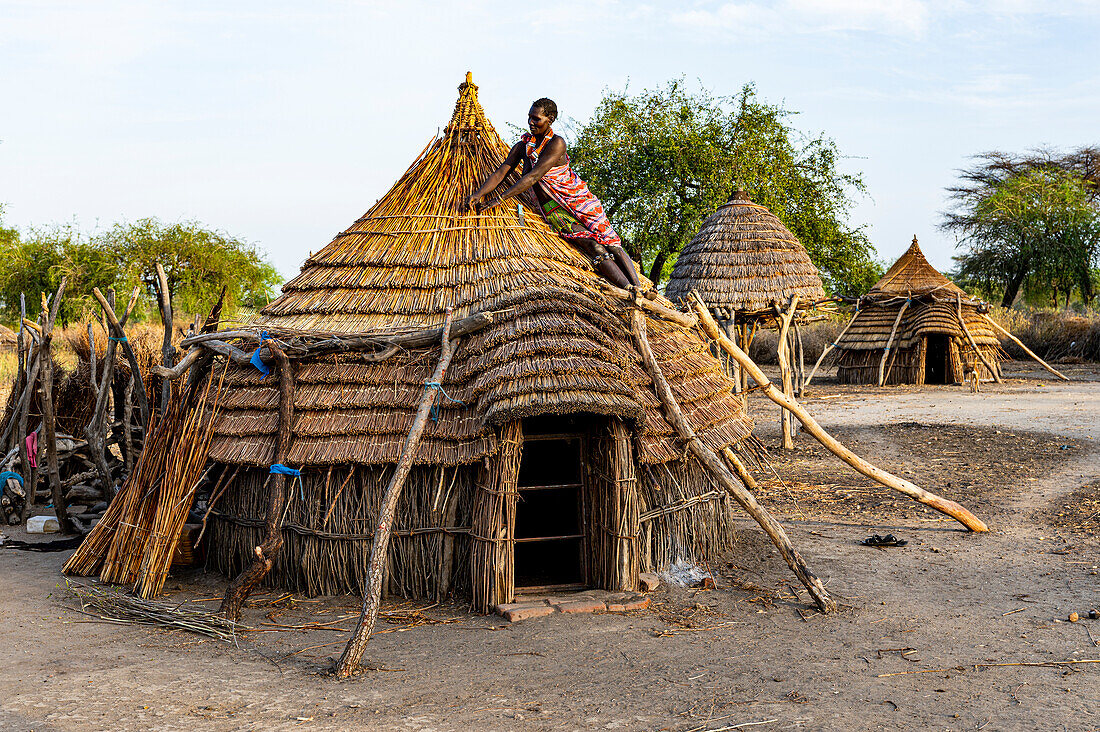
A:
{"points": [[558, 346], [913, 275], [745, 259]]}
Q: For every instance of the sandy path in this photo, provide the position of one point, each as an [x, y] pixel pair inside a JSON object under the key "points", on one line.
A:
{"points": [[955, 598]]}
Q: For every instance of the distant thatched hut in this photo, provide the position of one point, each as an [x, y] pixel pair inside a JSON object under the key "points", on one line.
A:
{"points": [[915, 326], [744, 261], [549, 462], [749, 269]]}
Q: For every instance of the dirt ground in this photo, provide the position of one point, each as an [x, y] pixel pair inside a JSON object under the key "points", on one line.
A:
{"points": [[915, 645]]}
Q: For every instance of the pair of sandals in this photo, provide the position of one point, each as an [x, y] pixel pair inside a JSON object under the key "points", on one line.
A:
{"points": [[882, 541]]}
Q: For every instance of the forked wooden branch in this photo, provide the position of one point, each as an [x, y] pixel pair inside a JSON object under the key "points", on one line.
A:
{"points": [[372, 589], [685, 319], [120, 336], [784, 355], [1027, 350], [878, 475], [721, 473]]}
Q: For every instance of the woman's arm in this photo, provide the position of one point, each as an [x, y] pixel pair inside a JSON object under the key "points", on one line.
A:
{"points": [[555, 149], [509, 164]]}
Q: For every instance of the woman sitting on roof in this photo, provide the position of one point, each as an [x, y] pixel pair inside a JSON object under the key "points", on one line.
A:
{"points": [[567, 204]]}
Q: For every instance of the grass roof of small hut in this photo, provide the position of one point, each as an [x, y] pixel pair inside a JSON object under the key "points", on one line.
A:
{"points": [[913, 275], [744, 259], [558, 345]]}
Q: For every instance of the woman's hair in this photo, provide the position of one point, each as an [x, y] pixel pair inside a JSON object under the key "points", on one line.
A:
{"points": [[548, 107]]}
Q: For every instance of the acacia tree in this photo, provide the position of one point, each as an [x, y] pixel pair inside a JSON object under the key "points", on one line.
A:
{"points": [[1032, 224], [661, 161]]}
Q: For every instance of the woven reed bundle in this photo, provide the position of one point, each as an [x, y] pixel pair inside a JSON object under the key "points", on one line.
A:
{"points": [[744, 259], [558, 345]]}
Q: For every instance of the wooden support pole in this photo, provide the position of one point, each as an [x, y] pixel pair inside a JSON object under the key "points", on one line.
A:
{"points": [[131, 358], [264, 554], [878, 475], [890, 342], [49, 417], [1027, 350], [651, 306], [721, 473], [372, 589], [783, 353], [974, 344], [167, 350], [97, 427], [800, 371], [739, 468]]}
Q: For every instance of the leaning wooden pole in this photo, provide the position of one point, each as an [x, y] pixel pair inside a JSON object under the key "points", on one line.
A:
{"points": [[831, 346], [974, 344], [725, 478], [372, 590], [264, 554], [168, 351], [890, 342], [1027, 350], [878, 475]]}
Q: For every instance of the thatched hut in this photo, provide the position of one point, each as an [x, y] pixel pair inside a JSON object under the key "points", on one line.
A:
{"points": [[915, 326], [751, 270], [745, 262], [548, 462]]}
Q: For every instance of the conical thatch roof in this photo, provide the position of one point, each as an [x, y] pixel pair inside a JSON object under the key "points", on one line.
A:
{"points": [[561, 346], [744, 259], [913, 275]]}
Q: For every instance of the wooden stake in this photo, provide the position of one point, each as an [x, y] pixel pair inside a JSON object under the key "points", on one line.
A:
{"points": [[722, 474], [1027, 350], [49, 418], [785, 422], [120, 335], [246, 581], [831, 346], [167, 350], [878, 475], [973, 344], [372, 590], [890, 342]]}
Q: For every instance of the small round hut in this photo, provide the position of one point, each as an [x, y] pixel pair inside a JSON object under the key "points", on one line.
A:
{"points": [[547, 461], [915, 326], [749, 269]]}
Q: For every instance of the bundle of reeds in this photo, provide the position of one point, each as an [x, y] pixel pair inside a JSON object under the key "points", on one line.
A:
{"points": [[135, 539]]}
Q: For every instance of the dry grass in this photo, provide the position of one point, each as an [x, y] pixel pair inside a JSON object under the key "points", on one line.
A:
{"points": [[1056, 335], [815, 337]]}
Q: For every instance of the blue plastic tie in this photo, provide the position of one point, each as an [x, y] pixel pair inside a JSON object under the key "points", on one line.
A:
{"points": [[280, 469], [439, 387], [120, 339], [256, 360]]}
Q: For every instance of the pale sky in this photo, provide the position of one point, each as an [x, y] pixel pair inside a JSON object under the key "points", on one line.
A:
{"points": [[282, 122]]}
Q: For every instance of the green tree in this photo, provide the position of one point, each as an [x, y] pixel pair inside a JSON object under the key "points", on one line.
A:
{"points": [[198, 262], [1035, 227], [662, 161]]}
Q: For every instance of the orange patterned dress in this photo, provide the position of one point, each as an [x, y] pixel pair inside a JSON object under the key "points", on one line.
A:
{"points": [[569, 192]]}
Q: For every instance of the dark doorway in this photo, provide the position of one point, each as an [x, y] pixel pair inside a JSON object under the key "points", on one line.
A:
{"points": [[937, 360], [549, 512]]}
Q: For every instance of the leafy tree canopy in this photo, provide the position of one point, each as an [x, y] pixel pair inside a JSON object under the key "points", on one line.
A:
{"points": [[1030, 222], [662, 161], [197, 260]]}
